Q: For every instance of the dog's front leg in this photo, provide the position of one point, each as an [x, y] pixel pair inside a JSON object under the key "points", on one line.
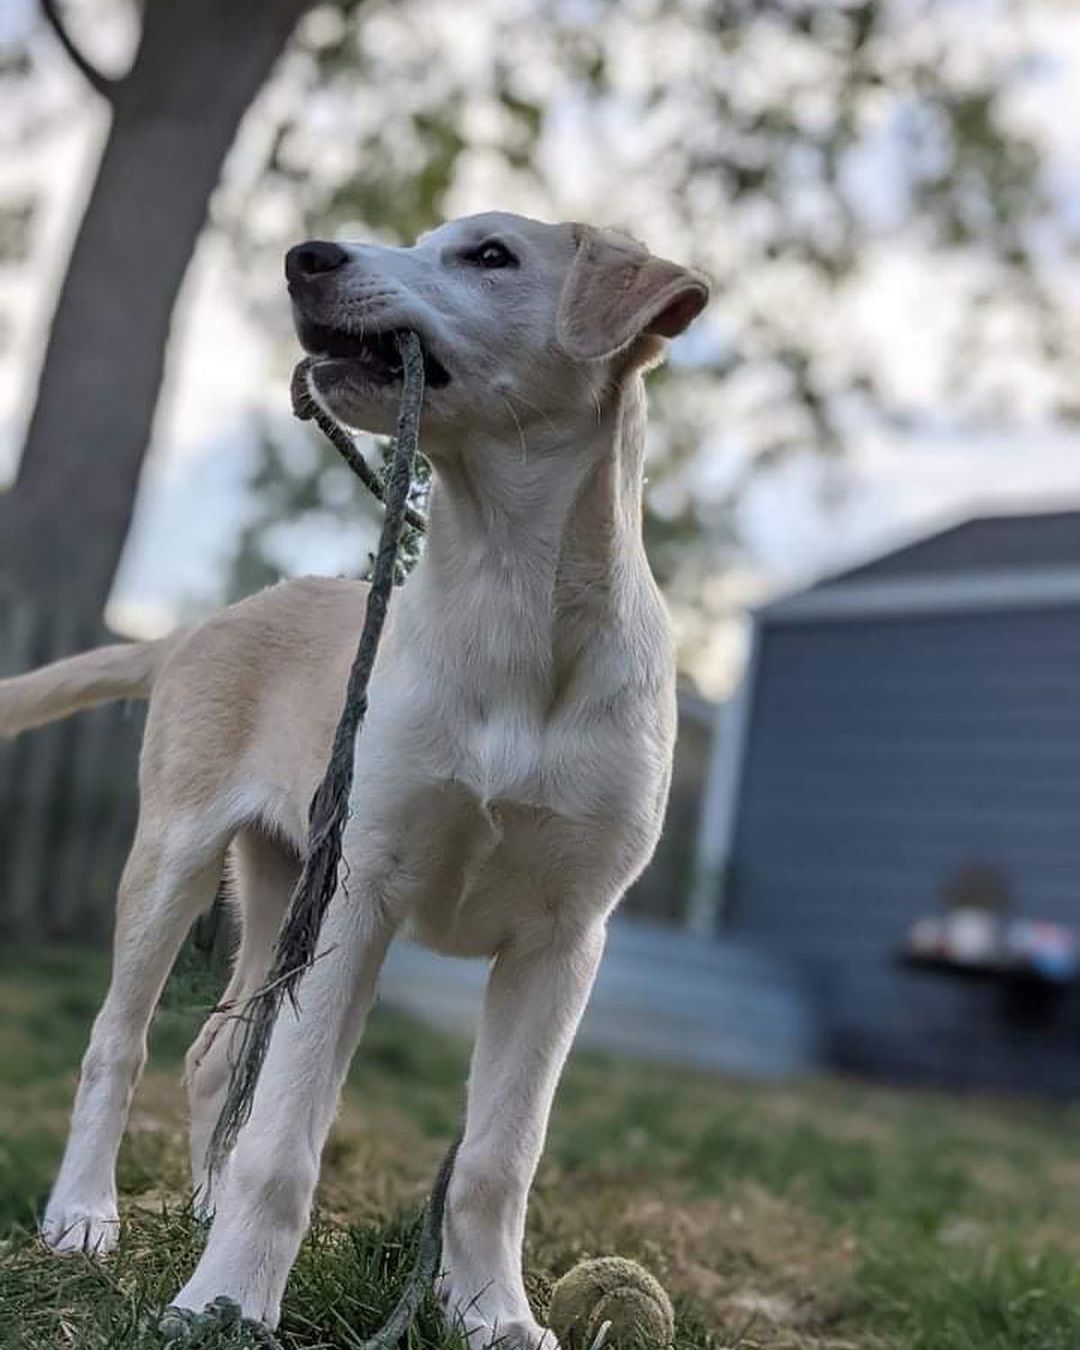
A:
{"points": [[536, 994], [266, 1192]]}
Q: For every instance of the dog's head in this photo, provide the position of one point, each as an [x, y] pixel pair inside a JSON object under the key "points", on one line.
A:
{"points": [[521, 322]]}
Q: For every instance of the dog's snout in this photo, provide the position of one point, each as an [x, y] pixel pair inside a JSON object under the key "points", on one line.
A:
{"points": [[312, 259]]}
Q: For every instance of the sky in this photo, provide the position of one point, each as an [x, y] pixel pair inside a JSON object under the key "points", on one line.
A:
{"points": [[806, 518]]}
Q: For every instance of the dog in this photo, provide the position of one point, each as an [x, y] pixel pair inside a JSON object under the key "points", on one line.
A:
{"points": [[511, 777]]}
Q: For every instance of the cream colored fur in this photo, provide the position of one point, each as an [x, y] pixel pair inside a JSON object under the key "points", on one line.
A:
{"points": [[126, 670], [510, 781]]}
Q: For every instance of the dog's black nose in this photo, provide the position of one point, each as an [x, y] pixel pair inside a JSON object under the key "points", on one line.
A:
{"points": [[312, 258]]}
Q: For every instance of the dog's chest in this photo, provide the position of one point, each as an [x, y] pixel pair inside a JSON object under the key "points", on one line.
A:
{"points": [[505, 822], [508, 758], [487, 870]]}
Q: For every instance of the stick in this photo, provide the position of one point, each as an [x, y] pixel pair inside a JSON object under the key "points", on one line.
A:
{"points": [[307, 409], [294, 950], [425, 1268]]}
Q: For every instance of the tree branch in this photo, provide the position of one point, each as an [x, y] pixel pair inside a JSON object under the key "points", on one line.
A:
{"points": [[100, 83]]}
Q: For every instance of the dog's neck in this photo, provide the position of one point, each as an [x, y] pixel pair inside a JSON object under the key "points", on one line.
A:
{"points": [[535, 553], [520, 495]]}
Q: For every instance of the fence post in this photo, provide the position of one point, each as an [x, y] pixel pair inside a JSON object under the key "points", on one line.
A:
{"points": [[67, 794]]}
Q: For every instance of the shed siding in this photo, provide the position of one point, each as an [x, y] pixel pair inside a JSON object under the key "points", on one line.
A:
{"points": [[883, 755]]}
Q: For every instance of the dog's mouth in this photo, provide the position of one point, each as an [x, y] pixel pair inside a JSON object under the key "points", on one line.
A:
{"points": [[373, 354]]}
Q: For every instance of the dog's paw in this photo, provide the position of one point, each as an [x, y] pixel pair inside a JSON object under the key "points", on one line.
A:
{"points": [[90, 1228], [492, 1317], [220, 1324], [513, 1333]]}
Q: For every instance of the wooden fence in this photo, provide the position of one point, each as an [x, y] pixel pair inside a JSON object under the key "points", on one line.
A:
{"points": [[68, 795], [68, 801]]}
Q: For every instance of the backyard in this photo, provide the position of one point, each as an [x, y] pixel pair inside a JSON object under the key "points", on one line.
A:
{"points": [[806, 1217]]}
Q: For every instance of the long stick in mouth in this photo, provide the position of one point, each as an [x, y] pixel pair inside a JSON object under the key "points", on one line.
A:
{"points": [[307, 409], [295, 948]]}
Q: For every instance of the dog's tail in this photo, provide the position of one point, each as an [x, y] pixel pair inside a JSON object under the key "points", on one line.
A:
{"points": [[125, 670]]}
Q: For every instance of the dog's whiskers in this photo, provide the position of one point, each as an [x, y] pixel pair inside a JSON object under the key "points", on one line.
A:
{"points": [[520, 429], [536, 408]]}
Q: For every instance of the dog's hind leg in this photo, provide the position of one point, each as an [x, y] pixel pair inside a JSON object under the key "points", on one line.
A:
{"points": [[171, 875], [266, 873]]}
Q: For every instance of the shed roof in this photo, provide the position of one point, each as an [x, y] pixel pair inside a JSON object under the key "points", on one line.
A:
{"points": [[1044, 539], [991, 561]]}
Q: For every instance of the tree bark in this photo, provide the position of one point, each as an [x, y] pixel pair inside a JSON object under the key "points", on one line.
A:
{"points": [[198, 66]]}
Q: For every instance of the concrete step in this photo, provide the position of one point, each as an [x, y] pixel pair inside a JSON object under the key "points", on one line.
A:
{"points": [[661, 996]]}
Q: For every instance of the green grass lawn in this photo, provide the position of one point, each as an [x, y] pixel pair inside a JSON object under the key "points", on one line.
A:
{"points": [[806, 1217]]}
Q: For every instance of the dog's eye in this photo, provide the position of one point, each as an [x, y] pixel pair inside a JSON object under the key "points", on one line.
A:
{"points": [[492, 254]]}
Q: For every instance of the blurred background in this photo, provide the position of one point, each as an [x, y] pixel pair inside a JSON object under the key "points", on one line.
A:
{"points": [[885, 193], [862, 469], [863, 506]]}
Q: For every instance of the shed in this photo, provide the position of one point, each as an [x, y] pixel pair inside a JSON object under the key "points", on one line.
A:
{"points": [[901, 723]]}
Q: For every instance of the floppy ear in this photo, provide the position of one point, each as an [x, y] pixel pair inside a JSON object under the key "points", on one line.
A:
{"points": [[617, 291]]}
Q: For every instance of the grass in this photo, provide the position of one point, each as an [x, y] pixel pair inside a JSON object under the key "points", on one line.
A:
{"points": [[820, 1216]]}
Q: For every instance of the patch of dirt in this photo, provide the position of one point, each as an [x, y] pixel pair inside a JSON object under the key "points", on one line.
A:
{"points": [[763, 1269], [752, 1260], [376, 1163]]}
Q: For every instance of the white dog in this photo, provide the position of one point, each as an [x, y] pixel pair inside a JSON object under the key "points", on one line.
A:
{"points": [[512, 775]]}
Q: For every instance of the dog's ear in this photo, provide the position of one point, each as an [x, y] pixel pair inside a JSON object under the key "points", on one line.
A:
{"points": [[617, 291]]}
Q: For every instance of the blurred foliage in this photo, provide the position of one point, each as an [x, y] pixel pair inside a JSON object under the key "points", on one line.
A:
{"points": [[789, 147], [811, 155], [22, 124], [297, 483], [16, 220]]}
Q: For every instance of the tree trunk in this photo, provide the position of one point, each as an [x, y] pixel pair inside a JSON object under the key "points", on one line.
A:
{"points": [[198, 66]]}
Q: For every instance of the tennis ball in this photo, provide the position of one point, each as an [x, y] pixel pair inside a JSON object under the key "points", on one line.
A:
{"points": [[611, 1289]]}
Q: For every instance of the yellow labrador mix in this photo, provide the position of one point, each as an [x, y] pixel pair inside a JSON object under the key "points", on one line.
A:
{"points": [[511, 778]]}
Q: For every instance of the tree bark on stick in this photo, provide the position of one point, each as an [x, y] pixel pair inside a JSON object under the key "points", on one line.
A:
{"points": [[198, 65]]}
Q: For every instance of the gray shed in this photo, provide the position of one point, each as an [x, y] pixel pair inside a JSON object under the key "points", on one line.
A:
{"points": [[904, 721]]}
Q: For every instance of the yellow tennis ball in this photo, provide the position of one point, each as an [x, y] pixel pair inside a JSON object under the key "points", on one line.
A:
{"points": [[611, 1289]]}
